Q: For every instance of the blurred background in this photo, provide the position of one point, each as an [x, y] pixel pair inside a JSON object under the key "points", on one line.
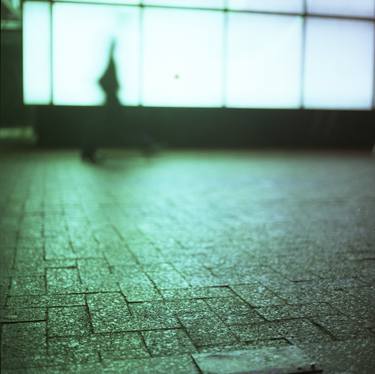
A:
{"points": [[191, 73]]}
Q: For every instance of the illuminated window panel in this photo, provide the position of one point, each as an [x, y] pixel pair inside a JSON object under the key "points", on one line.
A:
{"points": [[339, 64], [352, 8], [292, 6], [183, 58], [36, 53], [82, 38], [122, 2], [216, 4], [264, 61]]}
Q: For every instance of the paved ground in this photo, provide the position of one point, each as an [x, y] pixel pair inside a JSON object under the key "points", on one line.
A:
{"points": [[134, 265]]}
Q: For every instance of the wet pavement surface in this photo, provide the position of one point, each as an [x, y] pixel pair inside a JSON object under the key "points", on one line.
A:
{"points": [[138, 265]]}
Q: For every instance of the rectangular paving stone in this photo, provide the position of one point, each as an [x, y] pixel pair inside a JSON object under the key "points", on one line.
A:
{"points": [[64, 280], [140, 294], [257, 295], [96, 276], [35, 285], [207, 331], [58, 249], [343, 327], [152, 315], [109, 312], [273, 313], [23, 344], [46, 301], [196, 293], [234, 311], [286, 359], [168, 342], [157, 365], [68, 321], [171, 279], [11, 315]]}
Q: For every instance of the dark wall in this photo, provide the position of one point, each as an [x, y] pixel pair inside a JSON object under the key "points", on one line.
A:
{"points": [[192, 127], [12, 110]]}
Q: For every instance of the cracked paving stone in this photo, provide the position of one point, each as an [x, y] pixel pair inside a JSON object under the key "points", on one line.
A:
{"points": [[68, 321], [168, 342]]}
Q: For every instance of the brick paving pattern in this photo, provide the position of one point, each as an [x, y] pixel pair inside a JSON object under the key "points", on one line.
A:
{"points": [[136, 264]]}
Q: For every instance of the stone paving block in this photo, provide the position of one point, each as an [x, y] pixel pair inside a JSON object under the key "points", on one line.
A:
{"points": [[152, 315], [352, 356], [343, 328], [64, 280], [23, 344], [46, 301], [68, 321], [207, 331], [196, 293], [35, 285], [96, 276], [196, 307], [9, 315], [144, 293], [70, 350], [257, 295], [234, 311], [164, 280], [109, 312], [58, 248], [273, 313], [285, 359], [168, 342], [156, 365]]}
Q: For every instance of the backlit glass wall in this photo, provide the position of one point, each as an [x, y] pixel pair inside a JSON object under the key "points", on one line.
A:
{"points": [[202, 53]]}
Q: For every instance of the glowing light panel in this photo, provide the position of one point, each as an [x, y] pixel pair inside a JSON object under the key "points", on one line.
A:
{"points": [[82, 39], [339, 64], [264, 61], [36, 53], [188, 3], [352, 8], [295, 6], [183, 58]]}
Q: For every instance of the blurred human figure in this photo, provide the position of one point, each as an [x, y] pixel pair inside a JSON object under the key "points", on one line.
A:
{"points": [[93, 129]]}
